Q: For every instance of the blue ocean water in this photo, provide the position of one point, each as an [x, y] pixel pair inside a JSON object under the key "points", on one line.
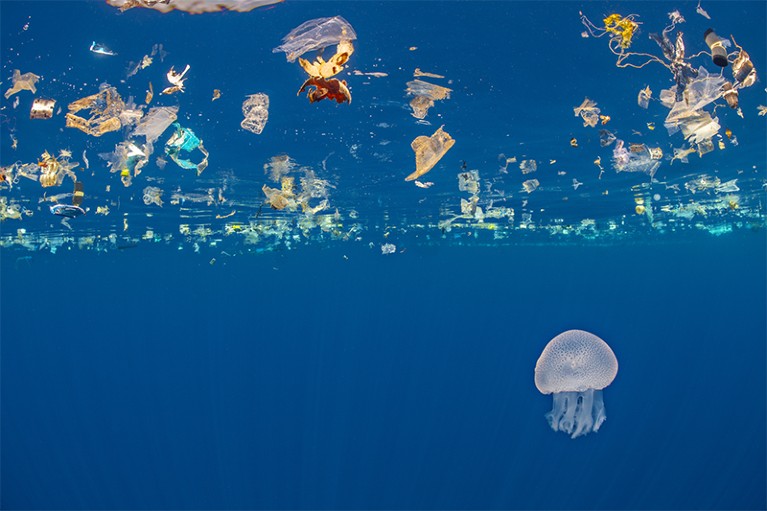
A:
{"points": [[143, 366]]}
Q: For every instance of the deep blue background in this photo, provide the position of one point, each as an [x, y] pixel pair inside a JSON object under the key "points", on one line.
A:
{"points": [[148, 378], [142, 379]]}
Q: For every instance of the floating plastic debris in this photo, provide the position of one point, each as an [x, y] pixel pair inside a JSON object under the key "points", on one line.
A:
{"points": [[643, 99], [177, 80], [388, 248], [42, 108], [22, 82], [184, 140], [428, 151], [255, 110], [105, 108], [71, 210], [101, 49], [702, 11], [193, 6], [469, 182], [728, 186], [153, 195], [606, 138], [315, 34], [530, 185], [588, 112], [425, 95], [155, 122], [528, 166]]}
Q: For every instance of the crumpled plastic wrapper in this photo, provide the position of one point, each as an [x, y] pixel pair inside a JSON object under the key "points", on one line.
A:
{"points": [[22, 82], [255, 110], [588, 112], [428, 151], [153, 195], [105, 107], [184, 140]]}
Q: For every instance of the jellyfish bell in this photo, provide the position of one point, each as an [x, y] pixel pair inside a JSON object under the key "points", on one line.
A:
{"points": [[716, 45], [575, 366]]}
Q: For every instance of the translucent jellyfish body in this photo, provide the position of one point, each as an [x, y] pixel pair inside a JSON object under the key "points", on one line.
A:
{"points": [[575, 366]]}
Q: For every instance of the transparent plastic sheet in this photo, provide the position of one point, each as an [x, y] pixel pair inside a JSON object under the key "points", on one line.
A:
{"points": [[255, 110], [528, 166], [606, 138], [193, 6], [428, 151], [315, 34], [278, 167], [425, 94], [644, 96], [698, 126], [638, 158], [530, 185], [469, 182], [155, 122], [22, 82], [700, 92]]}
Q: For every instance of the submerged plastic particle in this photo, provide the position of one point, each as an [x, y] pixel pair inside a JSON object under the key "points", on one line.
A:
{"points": [[255, 110], [428, 151]]}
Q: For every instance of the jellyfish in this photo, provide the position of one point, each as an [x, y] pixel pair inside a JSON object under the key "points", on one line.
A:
{"points": [[575, 366]]}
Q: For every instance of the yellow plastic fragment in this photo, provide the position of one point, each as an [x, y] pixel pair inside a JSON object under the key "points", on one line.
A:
{"points": [[622, 28]]}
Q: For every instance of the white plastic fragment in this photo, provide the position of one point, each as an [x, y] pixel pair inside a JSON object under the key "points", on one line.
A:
{"points": [[255, 110]]}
